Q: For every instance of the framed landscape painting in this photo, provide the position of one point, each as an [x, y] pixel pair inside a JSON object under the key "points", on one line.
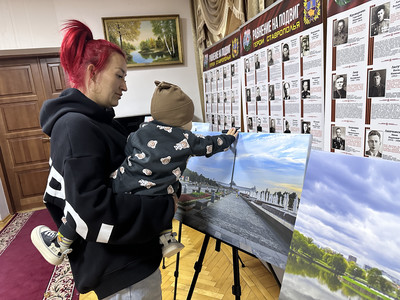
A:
{"points": [[146, 40]]}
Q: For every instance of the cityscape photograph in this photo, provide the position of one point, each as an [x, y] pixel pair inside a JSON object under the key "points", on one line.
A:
{"points": [[248, 196]]}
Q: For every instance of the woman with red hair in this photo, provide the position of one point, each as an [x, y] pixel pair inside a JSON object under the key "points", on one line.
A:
{"points": [[115, 250]]}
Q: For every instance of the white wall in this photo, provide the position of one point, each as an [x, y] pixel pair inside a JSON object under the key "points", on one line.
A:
{"points": [[29, 24], [36, 24], [4, 211]]}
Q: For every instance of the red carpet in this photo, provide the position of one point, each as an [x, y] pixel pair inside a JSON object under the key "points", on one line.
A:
{"points": [[24, 273]]}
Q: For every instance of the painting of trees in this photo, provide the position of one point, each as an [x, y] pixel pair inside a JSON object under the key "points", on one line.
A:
{"points": [[146, 40], [165, 30], [127, 29]]}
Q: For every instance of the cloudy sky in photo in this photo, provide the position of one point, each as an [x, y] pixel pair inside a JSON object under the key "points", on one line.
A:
{"points": [[351, 205], [273, 161], [217, 167]]}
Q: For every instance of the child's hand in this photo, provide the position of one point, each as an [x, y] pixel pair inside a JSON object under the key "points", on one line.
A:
{"points": [[233, 131]]}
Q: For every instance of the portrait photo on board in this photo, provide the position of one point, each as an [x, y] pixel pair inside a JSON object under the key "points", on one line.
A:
{"points": [[340, 32], [305, 89], [271, 92], [285, 52], [248, 94], [373, 147], [305, 127], [376, 83], [250, 123], [339, 84], [338, 137], [270, 59], [380, 19], [285, 91], [256, 61], [305, 45]]}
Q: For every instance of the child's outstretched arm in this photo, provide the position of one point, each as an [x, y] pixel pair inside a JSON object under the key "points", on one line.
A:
{"points": [[211, 144], [233, 131]]}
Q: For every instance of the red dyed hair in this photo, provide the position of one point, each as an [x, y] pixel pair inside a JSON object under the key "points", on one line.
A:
{"points": [[79, 49]]}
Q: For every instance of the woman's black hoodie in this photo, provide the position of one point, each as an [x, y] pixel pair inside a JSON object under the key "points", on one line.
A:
{"points": [[118, 244]]}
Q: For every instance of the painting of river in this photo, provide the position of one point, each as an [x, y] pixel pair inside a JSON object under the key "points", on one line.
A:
{"points": [[346, 238], [147, 40]]}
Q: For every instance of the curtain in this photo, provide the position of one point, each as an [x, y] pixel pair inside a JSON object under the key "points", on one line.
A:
{"points": [[212, 17], [215, 19]]}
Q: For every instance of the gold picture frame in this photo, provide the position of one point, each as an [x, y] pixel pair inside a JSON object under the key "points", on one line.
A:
{"points": [[146, 40]]}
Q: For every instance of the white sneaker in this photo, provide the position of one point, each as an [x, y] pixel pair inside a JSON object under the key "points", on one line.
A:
{"points": [[170, 246], [45, 240]]}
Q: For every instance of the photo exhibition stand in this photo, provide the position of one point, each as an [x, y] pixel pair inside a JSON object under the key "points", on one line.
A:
{"points": [[236, 289]]}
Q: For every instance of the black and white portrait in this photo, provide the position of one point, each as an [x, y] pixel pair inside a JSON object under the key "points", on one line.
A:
{"points": [[380, 21], [376, 83]]}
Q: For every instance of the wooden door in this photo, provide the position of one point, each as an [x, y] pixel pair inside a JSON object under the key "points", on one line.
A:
{"points": [[25, 83]]}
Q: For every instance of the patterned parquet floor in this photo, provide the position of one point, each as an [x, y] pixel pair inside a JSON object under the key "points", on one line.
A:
{"points": [[216, 277]]}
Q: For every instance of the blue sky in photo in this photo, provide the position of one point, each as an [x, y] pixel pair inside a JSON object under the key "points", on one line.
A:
{"points": [[217, 167], [273, 161], [351, 205]]}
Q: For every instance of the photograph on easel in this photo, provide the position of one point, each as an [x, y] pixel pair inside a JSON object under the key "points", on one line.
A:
{"points": [[248, 196], [346, 239]]}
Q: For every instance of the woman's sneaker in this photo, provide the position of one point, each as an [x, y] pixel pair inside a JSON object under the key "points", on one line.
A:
{"points": [[45, 240], [170, 246]]}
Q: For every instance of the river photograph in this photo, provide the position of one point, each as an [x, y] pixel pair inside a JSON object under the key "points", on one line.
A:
{"points": [[345, 243], [227, 194]]}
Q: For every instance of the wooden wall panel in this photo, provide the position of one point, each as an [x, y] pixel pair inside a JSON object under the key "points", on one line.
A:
{"points": [[26, 150], [16, 80], [33, 182], [20, 116]]}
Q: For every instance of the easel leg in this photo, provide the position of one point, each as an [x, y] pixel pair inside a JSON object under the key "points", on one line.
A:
{"points": [[176, 274], [241, 261], [198, 265], [236, 289]]}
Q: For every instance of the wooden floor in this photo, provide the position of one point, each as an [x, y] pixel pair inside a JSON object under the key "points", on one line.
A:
{"points": [[216, 277]]}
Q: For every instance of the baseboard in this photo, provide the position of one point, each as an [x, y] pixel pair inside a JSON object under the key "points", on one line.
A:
{"points": [[5, 221]]}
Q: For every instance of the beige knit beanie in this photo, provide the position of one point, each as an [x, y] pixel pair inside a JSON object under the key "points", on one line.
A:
{"points": [[170, 105]]}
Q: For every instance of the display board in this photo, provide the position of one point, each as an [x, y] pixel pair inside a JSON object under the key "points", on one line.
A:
{"points": [[340, 82], [221, 81], [348, 98], [275, 83], [363, 79], [248, 196], [282, 59], [346, 242]]}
